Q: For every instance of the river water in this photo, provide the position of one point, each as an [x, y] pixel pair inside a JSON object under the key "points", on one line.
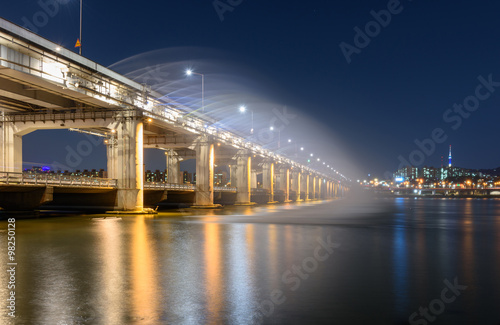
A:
{"points": [[351, 261]]}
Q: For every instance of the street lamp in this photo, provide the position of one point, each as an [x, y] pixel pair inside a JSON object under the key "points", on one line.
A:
{"points": [[190, 72], [279, 135], [81, 16], [243, 110]]}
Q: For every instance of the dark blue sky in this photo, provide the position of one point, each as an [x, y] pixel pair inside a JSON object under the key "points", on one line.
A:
{"points": [[396, 89]]}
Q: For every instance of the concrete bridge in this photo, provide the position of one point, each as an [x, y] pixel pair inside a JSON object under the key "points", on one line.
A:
{"points": [[43, 86]]}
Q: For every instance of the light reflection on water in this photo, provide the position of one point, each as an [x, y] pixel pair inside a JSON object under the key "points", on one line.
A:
{"points": [[219, 266]]}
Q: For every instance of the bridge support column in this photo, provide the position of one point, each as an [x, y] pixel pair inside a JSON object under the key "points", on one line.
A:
{"points": [[296, 175], [243, 177], [232, 173], [268, 179], [204, 196], [253, 181], [320, 188], [305, 186], [11, 149], [312, 190], [284, 182], [126, 164], [173, 161]]}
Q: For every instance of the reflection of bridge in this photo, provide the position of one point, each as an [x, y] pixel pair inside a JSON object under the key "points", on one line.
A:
{"points": [[45, 87]]}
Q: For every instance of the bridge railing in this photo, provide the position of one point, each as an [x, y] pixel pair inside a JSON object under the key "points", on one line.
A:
{"points": [[55, 179], [224, 189], [168, 186], [182, 187]]}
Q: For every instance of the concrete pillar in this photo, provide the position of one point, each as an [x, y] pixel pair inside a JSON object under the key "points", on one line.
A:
{"points": [[320, 185], [204, 195], [312, 190], [253, 181], [296, 176], [268, 179], [232, 174], [173, 161], [305, 186], [285, 182], [244, 169], [11, 149], [126, 164]]}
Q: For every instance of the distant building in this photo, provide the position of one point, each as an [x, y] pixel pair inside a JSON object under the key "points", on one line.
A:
{"points": [[407, 173], [430, 173], [220, 178], [187, 178], [157, 176]]}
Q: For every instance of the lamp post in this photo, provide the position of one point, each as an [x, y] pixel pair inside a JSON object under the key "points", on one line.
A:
{"points": [[81, 11], [279, 135], [243, 110], [191, 72]]}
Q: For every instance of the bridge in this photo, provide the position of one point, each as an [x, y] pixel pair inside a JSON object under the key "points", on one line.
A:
{"points": [[44, 86]]}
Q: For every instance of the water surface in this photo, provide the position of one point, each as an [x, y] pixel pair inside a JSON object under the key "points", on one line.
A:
{"points": [[262, 265]]}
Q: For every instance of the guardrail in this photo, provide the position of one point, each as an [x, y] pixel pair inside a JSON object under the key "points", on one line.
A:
{"points": [[168, 186], [182, 187], [224, 189], [55, 179]]}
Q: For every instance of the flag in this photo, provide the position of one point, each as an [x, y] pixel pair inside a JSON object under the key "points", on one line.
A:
{"points": [[78, 44]]}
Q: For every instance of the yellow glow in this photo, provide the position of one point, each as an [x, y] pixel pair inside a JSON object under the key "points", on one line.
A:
{"points": [[144, 294], [213, 262]]}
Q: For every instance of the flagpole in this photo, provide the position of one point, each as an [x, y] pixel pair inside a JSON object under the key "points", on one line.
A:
{"points": [[81, 7]]}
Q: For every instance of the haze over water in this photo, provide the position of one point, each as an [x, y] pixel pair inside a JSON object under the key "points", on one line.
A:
{"points": [[388, 258]]}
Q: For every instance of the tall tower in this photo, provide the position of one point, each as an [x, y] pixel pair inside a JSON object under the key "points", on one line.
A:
{"points": [[449, 158]]}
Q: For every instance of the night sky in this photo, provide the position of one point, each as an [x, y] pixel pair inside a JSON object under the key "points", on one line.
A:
{"points": [[363, 117]]}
